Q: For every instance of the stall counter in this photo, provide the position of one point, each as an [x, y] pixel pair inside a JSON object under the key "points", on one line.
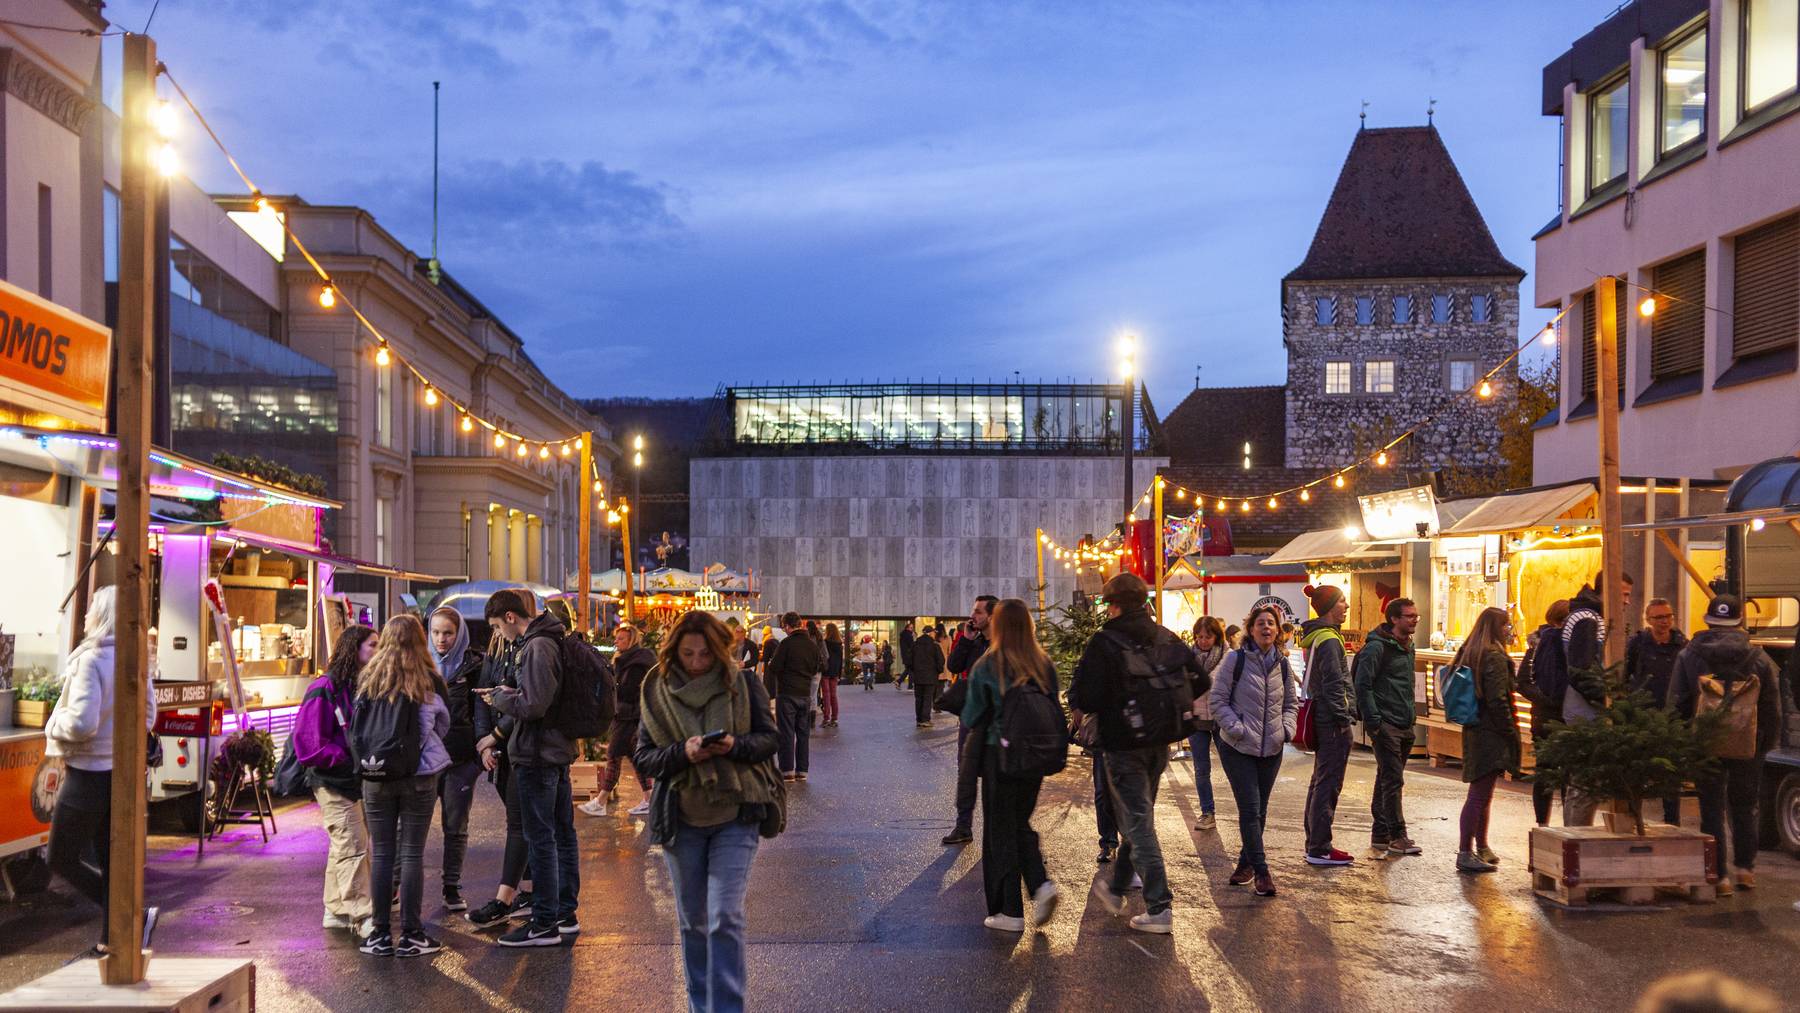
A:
{"points": [[28, 788]]}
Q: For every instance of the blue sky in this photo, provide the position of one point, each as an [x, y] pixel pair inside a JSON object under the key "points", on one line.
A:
{"points": [[661, 197]]}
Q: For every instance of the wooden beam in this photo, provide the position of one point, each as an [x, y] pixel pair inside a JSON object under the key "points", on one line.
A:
{"points": [[125, 963], [1606, 395], [584, 554], [1038, 544], [1156, 541], [1686, 567]]}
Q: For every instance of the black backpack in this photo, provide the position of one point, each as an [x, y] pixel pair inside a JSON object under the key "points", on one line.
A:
{"points": [[1550, 667], [1157, 695], [1034, 733], [587, 694], [385, 735]]}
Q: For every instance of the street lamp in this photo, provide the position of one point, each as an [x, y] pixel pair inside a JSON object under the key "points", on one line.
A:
{"points": [[1128, 347], [637, 469]]}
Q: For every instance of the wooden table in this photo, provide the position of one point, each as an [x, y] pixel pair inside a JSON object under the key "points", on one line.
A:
{"points": [[182, 985]]}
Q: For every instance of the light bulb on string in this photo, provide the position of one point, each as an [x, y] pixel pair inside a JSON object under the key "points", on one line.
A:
{"points": [[327, 298], [1305, 495], [1548, 337], [1272, 503], [431, 398], [167, 162], [596, 487], [1485, 390], [1244, 506], [1181, 494], [1339, 480], [1221, 505], [499, 441], [544, 452], [382, 358], [565, 450], [468, 424], [1381, 459], [520, 449], [162, 117], [1647, 308]]}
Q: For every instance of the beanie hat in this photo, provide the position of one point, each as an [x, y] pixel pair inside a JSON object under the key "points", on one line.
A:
{"points": [[1324, 598]]}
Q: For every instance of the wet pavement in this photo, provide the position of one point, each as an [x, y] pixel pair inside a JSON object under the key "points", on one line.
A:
{"points": [[857, 906]]}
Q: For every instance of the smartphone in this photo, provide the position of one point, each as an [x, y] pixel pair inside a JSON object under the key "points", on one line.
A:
{"points": [[712, 737]]}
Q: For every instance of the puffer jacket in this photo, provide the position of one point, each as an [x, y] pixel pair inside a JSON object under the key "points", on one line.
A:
{"points": [[1255, 700], [1208, 662], [80, 729]]}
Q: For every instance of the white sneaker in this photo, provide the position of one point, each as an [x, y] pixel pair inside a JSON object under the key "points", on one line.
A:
{"points": [[1004, 923], [335, 921], [364, 928], [641, 809], [1162, 923], [1112, 902], [1137, 881], [593, 807], [1043, 902]]}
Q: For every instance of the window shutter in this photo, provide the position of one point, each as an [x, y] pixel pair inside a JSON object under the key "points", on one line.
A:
{"points": [[1766, 302], [1678, 330], [1590, 341]]}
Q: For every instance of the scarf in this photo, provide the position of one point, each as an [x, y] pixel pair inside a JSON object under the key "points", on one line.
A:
{"points": [[673, 714]]}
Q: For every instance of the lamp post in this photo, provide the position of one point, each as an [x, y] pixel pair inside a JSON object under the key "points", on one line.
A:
{"points": [[625, 523], [1128, 369], [637, 468]]}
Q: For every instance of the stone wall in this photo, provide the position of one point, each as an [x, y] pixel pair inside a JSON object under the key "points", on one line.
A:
{"points": [[1323, 429], [899, 537]]}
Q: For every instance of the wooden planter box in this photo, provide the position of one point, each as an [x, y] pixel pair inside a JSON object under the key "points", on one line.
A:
{"points": [[31, 713], [1570, 865]]}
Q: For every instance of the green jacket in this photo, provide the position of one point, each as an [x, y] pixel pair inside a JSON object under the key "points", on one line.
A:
{"points": [[1491, 745], [1384, 679]]}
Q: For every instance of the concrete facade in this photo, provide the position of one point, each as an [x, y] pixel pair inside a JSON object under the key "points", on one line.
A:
{"points": [[1326, 429], [1737, 178], [899, 536]]}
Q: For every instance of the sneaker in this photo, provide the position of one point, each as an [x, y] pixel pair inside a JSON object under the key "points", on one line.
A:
{"points": [[1487, 855], [531, 934], [381, 944], [593, 807], [1206, 822], [959, 835], [1043, 902], [568, 926], [800, 776], [335, 921], [1469, 861], [1723, 888], [416, 945], [1404, 846], [521, 905], [1137, 882], [1265, 885], [1106, 855], [1114, 903], [641, 809], [1332, 857], [1378, 852], [490, 914], [453, 899], [364, 928], [1004, 923], [1241, 875], [1744, 878], [787, 775], [1161, 923]]}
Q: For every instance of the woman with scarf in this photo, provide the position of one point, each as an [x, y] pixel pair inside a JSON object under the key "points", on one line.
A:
{"points": [[1209, 650], [707, 738], [321, 744], [458, 669], [80, 730]]}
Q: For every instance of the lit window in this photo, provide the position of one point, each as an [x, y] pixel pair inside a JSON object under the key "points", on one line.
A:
{"points": [[1771, 51], [384, 405], [1609, 109], [1365, 310], [1337, 378], [1462, 375], [1683, 92], [1481, 309], [1403, 309], [1325, 310], [1378, 376], [1442, 306]]}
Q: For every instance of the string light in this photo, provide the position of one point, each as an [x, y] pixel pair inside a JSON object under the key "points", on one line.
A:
{"points": [[167, 163], [1339, 480], [327, 298], [1549, 333], [1305, 495], [431, 398], [1245, 506], [1647, 308], [1381, 459], [468, 424], [1485, 390], [1272, 503], [499, 441], [521, 448], [544, 452], [565, 450], [382, 358]]}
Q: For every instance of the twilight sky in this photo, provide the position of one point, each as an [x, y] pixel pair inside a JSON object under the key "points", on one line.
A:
{"points": [[661, 196]]}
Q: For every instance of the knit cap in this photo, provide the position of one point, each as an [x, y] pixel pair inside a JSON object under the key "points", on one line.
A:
{"points": [[1324, 598]]}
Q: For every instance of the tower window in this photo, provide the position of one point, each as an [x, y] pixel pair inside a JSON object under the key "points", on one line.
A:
{"points": [[1403, 309], [1378, 376], [1481, 309], [1365, 310], [1325, 310], [1443, 307], [1337, 377]]}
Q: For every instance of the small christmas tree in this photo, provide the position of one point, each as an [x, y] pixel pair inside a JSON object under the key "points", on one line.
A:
{"points": [[1066, 635], [1633, 750]]}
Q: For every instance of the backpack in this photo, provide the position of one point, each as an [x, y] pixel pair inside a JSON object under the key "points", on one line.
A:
{"points": [[1736, 698], [1034, 733], [1462, 703], [587, 693], [1550, 667], [1158, 696], [385, 735]]}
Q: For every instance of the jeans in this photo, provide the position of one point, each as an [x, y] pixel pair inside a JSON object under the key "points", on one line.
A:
{"points": [[709, 869], [456, 793], [399, 814], [1731, 793], [1010, 855], [868, 676], [548, 815], [1392, 747], [346, 857], [1108, 824], [1329, 761], [1251, 777], [1134, 776], [621, 739], [828, 689], [791, 717], [1200, 749], [83, 817], [922, 701], [968, 771], [1472, 827], [514, 857], [1543, 796]]}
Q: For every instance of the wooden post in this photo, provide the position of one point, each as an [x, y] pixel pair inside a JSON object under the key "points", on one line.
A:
{"points": [[1156, 541], [1606, 395], [628, 571], [584, 552], [1038, 543], [125, 963]]}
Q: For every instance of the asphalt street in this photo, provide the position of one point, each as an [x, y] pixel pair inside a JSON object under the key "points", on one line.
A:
{"points": [[858, 906]]}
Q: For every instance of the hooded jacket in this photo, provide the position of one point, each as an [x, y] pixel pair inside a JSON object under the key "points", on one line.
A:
{"points": [[321, 742], [1384, 680], [1727, 654], [1255, 700], [1327, 673], [1649, 665], [1584, 635], [1544, 710], [80, 729], [632, 665], [459, 669], [1098, 685], [535, 741]]}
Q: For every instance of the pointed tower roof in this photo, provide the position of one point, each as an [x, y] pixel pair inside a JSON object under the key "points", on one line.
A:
{"points": [[1400, 210]]}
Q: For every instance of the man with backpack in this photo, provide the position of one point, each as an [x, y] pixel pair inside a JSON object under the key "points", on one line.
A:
{"points": [[970, 644], [1384, 674], [1543, 678], [1720, 670], [556, 703], [1140, 681], [1584, 659]]}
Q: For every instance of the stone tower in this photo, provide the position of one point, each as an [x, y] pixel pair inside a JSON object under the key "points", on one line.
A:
{"points": [[1402, 303]]}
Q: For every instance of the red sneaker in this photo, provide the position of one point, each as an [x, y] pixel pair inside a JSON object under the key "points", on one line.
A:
{"points": [[1332, 857]]}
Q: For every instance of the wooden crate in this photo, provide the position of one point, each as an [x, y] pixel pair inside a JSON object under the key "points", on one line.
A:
{"points": [[177, 985], [31, 713], [1571, 865], [584, 778]]}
